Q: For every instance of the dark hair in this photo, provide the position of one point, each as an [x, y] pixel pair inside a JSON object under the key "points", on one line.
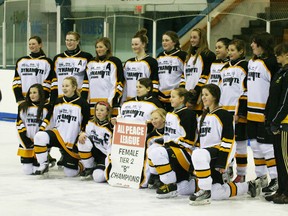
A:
{"points": [[216, 93], [240, 45], [107, 44], [225, 41], [42, 100], [174, 37], [203, 45], [39, 40], [147, 83], [266, 41], [281, 48], [182, 92], [142, 35], [108, 107]]}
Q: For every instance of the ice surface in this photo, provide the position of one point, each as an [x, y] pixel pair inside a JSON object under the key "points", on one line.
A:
{"points": [[22, 195]]}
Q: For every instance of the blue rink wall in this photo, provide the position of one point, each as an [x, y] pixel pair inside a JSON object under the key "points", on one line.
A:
{"points": [[8, 105]]}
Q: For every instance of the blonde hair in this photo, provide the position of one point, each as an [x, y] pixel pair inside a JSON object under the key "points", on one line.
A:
{"points": [[74, 83], [162, 112]]}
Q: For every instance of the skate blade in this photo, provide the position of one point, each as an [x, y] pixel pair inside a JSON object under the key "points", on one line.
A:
{"points": [[60, 167], [86, 178], [198, 203], [44, 176], [167, 196]]}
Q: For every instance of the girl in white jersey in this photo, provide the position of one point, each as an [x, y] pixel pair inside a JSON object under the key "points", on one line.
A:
{"points": [[154, 140], [34, 68], [172, 161], [212, 158], [170, 65], [261, 69], [234, 99], [221, 51], [71, 62], [30, 116], [103, 80], [141, 66], [95, 142], [197, 64], [69, 116]]}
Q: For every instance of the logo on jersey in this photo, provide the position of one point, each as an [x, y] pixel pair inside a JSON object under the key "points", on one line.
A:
{"points": [[189, 71], [66, 115], [205, 129], [229, 79], [168, 130], [100, 71], [132, 111], [98, 140]]}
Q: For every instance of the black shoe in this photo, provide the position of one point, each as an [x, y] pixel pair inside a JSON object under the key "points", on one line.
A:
{"points": [[282, 199], [167, 191], [154, 182], [254, 187], [270, 198], [43, 168], [86, 174], [202, 197], [272, 187]]}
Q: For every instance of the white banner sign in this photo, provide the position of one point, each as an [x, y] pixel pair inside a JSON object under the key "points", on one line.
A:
{"points": [[127, 154]]}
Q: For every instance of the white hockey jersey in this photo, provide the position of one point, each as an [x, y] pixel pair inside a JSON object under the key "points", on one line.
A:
{"points": [[65, 65], [134, 70], [234, 87], [260, 72], [27, 126], [170, 70], [217, 131]]}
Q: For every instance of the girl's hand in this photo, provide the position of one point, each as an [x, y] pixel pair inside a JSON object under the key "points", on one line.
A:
{"points": [[113, 121], [82, 137], [221, 170]]}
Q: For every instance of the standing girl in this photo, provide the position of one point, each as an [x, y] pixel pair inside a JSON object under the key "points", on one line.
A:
{"points": [[69, 116], [261, 69], [142, 66], [30, 116], [234, 100], [104, 78], [31, 69], [276, 116], [172, 161], [72, 62], [170, 65], [198, 63], [95, 143]]}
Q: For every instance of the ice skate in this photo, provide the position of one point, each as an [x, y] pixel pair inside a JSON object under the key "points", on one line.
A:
{"points": [[202, 197], [167, 191], [42, 169], [254, 187]]}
